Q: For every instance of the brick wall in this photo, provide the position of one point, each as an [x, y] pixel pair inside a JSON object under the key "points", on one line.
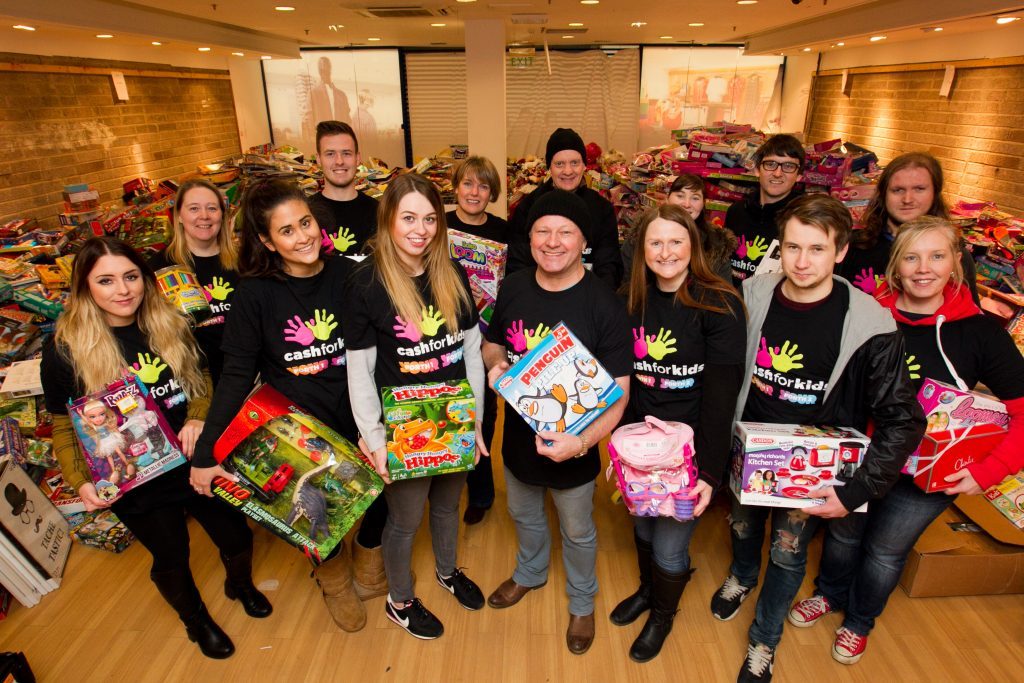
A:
{"points": [[977, 133], [64, 128]]}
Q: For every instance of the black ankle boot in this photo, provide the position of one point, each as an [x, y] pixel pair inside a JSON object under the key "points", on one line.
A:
{"points": [[666, 589], [179, 590], [239, 586], [630, 609]]}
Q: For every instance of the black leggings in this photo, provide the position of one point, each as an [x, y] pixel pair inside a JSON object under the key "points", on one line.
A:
{"points": [[164, 530], [372, 527]]}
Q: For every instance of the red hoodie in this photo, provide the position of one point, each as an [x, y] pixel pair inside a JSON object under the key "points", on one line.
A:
{"points": [[1008, 457]]}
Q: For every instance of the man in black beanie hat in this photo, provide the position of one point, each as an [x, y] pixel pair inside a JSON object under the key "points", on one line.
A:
{"points": [[566, 159], [531, 302]]}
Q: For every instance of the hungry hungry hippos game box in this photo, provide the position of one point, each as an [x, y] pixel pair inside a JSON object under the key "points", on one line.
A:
{"points": [[431, 428], [296, 476], [778, 465], [559, 386]]}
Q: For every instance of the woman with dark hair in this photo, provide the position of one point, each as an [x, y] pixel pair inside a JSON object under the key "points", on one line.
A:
{"points": [[116, 321], [410, 319], [202, 244], [691, 323], [909, 187], [285, 327]]}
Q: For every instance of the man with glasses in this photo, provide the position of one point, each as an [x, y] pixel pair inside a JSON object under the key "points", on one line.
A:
{"points": [[566, 159], [777, 165]]}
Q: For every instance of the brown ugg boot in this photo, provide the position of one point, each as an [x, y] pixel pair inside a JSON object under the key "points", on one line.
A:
{"points": [[368, 571], [335, 579]]}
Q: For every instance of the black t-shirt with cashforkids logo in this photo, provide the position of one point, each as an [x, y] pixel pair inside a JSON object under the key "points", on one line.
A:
{"points": [[796, 354], [348, 224], [408, 352], [523, 315], [671, 345]]}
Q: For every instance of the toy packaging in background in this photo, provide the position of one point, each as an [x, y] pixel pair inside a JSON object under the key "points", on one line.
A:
{"points": [[12, 443], [63, 497], [484, 263], [124, 437], [431, 428], [1008, 497], [297, 477], [778, 465], [654, 468], [100, 529], [23, 410], [181, 287], [559, 386]]}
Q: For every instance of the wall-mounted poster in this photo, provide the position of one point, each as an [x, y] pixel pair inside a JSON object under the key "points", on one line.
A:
{"points": [[360, 87], [696, 86]]}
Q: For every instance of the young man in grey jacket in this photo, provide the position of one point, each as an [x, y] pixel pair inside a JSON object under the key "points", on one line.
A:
{"points": [[819, 351]]}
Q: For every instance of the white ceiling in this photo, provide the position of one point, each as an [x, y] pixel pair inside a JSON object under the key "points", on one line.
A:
{"points": [[255, 27]]}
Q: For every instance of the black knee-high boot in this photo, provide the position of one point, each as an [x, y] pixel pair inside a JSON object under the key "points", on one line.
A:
{"points": [[630, 609], [238, 585], [666, 590], [179, 590]]}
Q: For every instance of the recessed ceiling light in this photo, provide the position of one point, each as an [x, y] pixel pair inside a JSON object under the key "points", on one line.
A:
{"points": [[238, 54], [266, 57], [589, 2], [465, 0], [568, 36], [840, 44], [104, 35], [638, 24], [575, 24], [875, 39], [936, 29], [204, 49], [1007, 20], [373, 40], [284, 8], [696, 24], [24, 27], [807, 49], [439, 25], [156, 42], [665, 37], [746, 2]]}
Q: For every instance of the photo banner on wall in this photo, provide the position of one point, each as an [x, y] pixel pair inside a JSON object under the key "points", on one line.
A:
{"points": [[682, 87], [360, 87]]}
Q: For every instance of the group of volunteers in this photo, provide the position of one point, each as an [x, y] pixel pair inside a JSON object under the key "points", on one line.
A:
{"points": [[675, 315]]}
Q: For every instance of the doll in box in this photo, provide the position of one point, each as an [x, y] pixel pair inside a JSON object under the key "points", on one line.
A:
{"points": [[101, 424]]}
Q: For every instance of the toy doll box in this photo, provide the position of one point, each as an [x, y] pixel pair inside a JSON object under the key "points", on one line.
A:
{"points": [[124, 437], [559, 385], [431, 428], [296, 476], [943, 453], [778, 465], [484, 263]]}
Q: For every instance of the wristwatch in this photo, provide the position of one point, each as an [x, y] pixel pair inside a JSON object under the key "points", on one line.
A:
{"points": [[583, 447]]}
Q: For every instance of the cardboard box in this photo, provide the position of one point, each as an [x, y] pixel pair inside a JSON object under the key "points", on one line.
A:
{"points": [[943, 453], [799, 459], [431, 429], [969, 560], [1008, 498]]}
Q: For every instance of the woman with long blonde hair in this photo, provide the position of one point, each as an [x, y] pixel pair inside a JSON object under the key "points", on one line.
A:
{"points": [[117, 322], [202, 242], [410, 319]]}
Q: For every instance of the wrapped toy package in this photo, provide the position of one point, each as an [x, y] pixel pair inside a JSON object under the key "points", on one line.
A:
{"points": [[124, 437], [778, 465], [484, 263], [431, 428], [654, 469], [297, 477], [559, 386], [1008, 497]]}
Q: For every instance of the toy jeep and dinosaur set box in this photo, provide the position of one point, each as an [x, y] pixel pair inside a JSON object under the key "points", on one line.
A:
{"points": [[296, 476], [431, 428]]}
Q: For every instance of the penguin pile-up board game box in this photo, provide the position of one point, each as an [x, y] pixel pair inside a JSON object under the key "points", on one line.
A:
{"points": [[431, 428], [297, 477], [559, 386], [124, 437], [780, 465], [484, 263]]}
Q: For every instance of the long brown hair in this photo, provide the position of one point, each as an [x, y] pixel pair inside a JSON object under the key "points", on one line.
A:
{"points": [[258, 203], [445, 283], [876, 216], [714, 291], [177, 249], [84, 337]]}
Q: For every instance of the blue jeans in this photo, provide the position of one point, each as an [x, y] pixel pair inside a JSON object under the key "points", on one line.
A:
{"points": [[792, 530], [669, 539], [863, 554], [579, 539]]}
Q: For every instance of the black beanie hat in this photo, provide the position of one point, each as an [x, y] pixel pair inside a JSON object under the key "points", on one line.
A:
{"points": [[561, 203], [562, 139]]}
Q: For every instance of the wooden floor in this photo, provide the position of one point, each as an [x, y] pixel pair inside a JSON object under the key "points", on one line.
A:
{"points": [[107, 623]]}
